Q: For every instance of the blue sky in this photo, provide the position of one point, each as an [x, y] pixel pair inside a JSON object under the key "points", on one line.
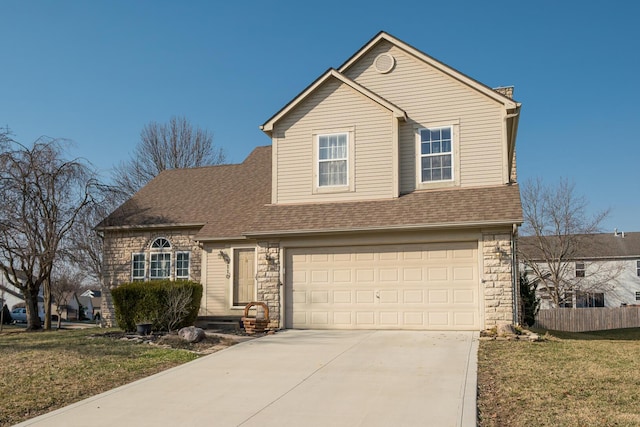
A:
{"points": [[96, 72]]}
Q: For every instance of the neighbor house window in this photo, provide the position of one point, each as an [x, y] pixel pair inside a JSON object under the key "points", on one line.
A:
{"points": [[589, 299], [137, 267], [580, 269], [436, 154], [638, 268], [182, 265], [333, 160], [637, 296]]}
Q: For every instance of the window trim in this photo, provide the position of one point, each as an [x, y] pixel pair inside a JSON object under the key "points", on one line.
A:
{"points": [[135, 278], [151, 270], [454, 125], [638, 268], [188, 253], [580, 269], [349, 186]]}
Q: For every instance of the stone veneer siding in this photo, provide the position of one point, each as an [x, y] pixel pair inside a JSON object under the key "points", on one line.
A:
{"points": [[268, 279], [497, 262], [120, 245]]}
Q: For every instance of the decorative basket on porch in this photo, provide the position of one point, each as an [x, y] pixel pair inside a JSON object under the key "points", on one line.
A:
{"points": [[254, 324]]}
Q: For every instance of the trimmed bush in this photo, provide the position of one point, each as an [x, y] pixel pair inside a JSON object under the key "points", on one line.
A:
{"points": [[159, 302]]}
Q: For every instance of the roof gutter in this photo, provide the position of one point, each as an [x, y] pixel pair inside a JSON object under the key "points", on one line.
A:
{"points": [[413, 227], [149, 226]]}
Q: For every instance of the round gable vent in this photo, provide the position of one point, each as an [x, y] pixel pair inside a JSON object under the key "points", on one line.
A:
{"points": [[384, 63]]}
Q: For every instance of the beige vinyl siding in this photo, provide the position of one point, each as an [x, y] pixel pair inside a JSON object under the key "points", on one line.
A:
{"points": [[335, 107], [431, 97], [216, 284]]}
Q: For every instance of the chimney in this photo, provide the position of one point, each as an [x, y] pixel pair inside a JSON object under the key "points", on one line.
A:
{"points": [[505, 90]]}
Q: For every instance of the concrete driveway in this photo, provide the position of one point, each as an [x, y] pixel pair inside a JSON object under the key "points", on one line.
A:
{"points": [[301, 378]]}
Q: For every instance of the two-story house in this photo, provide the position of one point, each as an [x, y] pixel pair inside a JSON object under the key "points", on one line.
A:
{"points": [[387, 200]]}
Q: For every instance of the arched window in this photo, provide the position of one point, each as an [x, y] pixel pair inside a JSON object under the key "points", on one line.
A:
{"points": [[160, 265], [161, 243]]}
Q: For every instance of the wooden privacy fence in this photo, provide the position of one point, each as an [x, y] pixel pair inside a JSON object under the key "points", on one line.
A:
{"points": [[588, 319]]}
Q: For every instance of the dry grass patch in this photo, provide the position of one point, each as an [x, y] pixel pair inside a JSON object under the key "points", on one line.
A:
{"points": [[570, 379], [43, 371]]}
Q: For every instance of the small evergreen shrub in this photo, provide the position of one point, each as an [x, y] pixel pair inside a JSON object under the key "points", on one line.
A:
{"points": [[529, 302], [6, 315], [155, 302]]}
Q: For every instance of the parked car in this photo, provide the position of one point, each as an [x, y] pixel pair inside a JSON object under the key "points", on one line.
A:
{"points": [[19, 315]]}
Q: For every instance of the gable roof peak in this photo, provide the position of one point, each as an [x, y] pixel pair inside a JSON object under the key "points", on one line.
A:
{"points": [[399, 113], [440, 66]]}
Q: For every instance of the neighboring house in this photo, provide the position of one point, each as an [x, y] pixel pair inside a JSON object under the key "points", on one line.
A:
{"points": [[604, 270], [9, 294], [93, 306], [387, 200], [68, 307]]}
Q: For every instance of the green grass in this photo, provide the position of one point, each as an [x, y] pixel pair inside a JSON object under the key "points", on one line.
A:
{"points": [[570, 379], [43, 371]]}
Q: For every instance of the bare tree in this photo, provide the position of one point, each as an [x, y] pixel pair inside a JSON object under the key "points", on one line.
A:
{"points": [[83, 246], [42, 195], [560, 229], [65, 284], [173, 145]]}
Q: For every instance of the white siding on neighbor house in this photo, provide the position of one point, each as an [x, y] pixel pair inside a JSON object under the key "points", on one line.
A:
{"points": [[334, 107], [617, 279], [430, 97]]}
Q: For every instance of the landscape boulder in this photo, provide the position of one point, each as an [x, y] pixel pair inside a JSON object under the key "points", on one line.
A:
{"points": [[191, 334]]}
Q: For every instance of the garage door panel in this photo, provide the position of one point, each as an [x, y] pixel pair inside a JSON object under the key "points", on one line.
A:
{"points": [[364, 297], [319, 297], [388, 297], [342, 297], [365, 318], [418, 286], [413, 296]]}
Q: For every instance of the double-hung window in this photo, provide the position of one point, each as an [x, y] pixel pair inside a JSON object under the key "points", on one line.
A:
{"points": [[580, 269], [638, 268], [137, 267], [160, 265], [436, 154], [333, 160], [182, 265]]}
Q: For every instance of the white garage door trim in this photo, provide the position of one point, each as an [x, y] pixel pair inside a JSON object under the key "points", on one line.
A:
{"points": [[418, 286]]}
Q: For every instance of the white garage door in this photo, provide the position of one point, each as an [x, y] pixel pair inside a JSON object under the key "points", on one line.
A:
{"points": [[425, 286]]}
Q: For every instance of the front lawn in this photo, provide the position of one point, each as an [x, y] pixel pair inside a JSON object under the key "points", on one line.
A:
{"points": [[569, 379], [43, 371]]}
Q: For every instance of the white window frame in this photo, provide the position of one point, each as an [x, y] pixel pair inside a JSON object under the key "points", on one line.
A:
{"points": [[151, 262], [178, 276], [581, 269], [160, 246], [349, 132], [453, 125], [133, 266]]}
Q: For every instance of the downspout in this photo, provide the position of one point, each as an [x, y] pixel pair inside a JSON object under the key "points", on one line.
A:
{"points": [[514, 275]]}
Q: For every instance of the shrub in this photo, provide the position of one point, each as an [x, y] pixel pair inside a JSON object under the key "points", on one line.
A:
{"points": [[160, 302], [529, 302], [6, 315]]}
